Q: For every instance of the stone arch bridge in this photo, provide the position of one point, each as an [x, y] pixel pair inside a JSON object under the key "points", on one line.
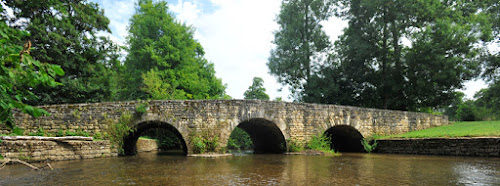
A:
{"points": [[269, 124]]}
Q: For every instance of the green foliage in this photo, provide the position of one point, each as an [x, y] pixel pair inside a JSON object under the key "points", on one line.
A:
{"points": [[256, 90], [239, 140], [141, 109], [98, 136], [199, 147], [60, 133], [19, 72], [40, 132], [373, 67], [70, 133], [165, 60], [76, 113], [367, 146], [294, 146], [64, 33], [80, 132], [120, 130], [18, 131], [300, 42], [204, 142], [459, 129], [488, 102], [321, 143]]}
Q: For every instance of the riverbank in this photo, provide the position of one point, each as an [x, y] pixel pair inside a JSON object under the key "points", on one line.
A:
{"points": [[478, 138], [455, 130], [36, 148]]}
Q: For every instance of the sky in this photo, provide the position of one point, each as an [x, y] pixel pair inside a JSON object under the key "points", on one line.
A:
{"points": [[237, 37]]}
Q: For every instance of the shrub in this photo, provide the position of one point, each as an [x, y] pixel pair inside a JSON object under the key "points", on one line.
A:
{"points": [[367, 146], [206, 142], [17, 131], [320, 142], [198, 145], [121, 129], [60, 133], [141, 109], [294, 146]]}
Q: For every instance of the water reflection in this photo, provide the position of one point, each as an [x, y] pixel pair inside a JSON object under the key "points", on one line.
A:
{"points": [[348, 169]]}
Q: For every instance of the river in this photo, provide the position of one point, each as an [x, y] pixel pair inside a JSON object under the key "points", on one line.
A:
{"points": [[348, 169]]}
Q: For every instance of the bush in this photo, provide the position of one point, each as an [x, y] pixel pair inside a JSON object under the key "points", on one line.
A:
{"points": [[367, 146], [17, 131], [206, 142], [321, 143], [199, 146], [294, 146], [120, 130], [141, 109]]}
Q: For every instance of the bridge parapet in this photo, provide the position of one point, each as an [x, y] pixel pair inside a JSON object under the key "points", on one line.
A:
{"points": [[298, 121]]}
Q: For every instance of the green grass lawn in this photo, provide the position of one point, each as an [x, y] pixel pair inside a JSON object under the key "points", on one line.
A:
{"points": [[458, 129]]}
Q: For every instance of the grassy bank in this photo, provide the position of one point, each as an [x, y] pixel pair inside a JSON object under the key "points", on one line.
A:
{"points": [[459, 129]]}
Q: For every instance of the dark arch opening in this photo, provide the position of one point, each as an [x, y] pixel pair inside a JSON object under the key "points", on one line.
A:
{"points": [[130, 141], [266, 137], [345, 138]]}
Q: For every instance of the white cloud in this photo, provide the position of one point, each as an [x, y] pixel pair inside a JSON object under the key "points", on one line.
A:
{"points": [[473, 86], [118, 13], [237, 38]]}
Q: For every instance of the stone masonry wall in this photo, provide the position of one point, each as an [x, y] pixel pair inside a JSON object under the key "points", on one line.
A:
{"points": [[146, 145], [42, 150], [442, 146], [298, 121]]}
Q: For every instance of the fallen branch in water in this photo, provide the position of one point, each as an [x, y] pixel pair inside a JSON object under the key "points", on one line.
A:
{"points": [[25, 163]]}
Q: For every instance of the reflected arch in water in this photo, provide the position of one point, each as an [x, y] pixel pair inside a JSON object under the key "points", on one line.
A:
{"points": [[266, 136], [345, 138], [130, 141]]}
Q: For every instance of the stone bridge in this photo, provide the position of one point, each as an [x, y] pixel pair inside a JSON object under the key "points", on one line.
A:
{"points": [[270, 124]]}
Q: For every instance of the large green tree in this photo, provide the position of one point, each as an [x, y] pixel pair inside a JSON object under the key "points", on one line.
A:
{"points": [[63, 32], [164, 60], [402, 54], [256, 90], [301, 44], [17, 71]]}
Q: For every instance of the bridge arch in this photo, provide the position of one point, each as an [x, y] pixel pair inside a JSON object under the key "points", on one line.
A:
{"points": [[266, 136], [130, 141], [345, 138]]}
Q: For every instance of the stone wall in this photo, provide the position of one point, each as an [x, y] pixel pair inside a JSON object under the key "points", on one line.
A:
{"points": [[146, 145], [297, 121], [442, 146], [44, 150]]}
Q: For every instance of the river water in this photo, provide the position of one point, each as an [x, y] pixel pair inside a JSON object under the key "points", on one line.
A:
{"points": [[348, 169]]}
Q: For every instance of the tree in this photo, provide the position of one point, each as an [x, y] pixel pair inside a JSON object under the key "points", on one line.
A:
{"points": [[404, 55], [164, 61], [63, 32], [19, 70], [488, 102], [256, 90], [300, 43]]}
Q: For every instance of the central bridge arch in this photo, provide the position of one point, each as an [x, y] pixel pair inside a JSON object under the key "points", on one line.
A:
{"points": [[266, 136]]}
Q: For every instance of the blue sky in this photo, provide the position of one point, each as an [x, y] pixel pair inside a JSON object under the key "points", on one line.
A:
{"points": [[236, 35]]}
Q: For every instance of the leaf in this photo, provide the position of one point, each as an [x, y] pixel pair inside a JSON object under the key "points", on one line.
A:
{"points": [[59, 71]]}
